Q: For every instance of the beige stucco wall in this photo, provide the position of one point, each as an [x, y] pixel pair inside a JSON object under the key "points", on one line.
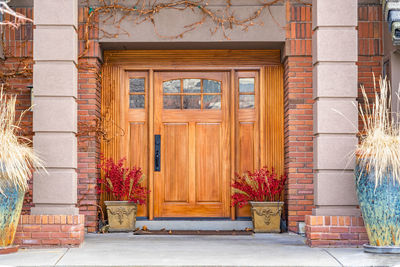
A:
{"points": [[268, 31]]}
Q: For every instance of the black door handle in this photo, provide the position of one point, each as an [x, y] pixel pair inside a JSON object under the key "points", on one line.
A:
{"points": [[157, 153]]}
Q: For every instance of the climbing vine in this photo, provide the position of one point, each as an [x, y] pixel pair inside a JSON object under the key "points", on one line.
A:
{"points": [[11, 21], [223, 19]]}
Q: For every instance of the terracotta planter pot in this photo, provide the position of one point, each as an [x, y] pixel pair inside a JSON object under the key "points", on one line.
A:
{"points": [[10, 210], [266, 216], [121, 216], [380, 208]]}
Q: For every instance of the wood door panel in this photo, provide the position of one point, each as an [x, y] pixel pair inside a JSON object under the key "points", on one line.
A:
{"points": [[138, 141], [246, 146], [246, 156], [191, 115], [175, 140], [138, 154], [208, 162], [192, 211]]}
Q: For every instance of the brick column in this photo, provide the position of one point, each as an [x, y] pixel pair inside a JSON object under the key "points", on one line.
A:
{"points": [[298, 115], [335, 107], [55, 110]]}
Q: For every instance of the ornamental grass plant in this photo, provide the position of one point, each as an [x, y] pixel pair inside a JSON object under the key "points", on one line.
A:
{"points": [[17, 158], [379, 146], [17, 162], [377, 171]]}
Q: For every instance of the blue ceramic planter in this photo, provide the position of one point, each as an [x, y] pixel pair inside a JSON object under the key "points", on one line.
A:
{"points": [[10, 209], [380, 207]]}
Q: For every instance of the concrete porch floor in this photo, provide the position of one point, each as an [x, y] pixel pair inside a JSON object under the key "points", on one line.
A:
{"points": [[257, 250]]}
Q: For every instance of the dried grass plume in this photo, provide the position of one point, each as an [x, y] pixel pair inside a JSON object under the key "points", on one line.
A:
{"points": [[17, 158], [379, 147]]}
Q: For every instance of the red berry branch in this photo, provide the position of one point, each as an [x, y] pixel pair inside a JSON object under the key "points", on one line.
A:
{"points": [[260, 185], [122, 182]]}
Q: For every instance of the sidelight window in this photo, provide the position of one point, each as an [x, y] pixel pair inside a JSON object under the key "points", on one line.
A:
{"points": [[246, 93], [137, 93]]}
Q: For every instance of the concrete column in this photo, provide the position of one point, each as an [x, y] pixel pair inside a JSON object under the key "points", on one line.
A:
{"points": [[335, 110], [55, 81]]}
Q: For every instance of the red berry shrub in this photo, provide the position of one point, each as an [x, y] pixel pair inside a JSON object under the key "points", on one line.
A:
{"points": [[261, 185], [123, 183]]}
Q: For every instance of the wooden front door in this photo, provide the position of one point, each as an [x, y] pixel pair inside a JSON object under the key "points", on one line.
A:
{"points": [[217, 113], [192, 164]]}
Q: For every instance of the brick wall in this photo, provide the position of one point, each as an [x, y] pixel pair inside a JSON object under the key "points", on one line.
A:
{"points": [[89, 102], [298, 115], [50, 231], [335, 231], [370, 48]]}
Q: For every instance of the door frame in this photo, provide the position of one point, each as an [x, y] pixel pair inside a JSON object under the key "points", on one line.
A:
{"points": [[122, 62]]}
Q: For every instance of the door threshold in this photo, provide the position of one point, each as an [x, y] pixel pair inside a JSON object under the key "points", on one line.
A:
{"points": [[195, 225]]}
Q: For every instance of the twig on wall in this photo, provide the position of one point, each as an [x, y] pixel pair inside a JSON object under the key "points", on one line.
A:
{"points": [[14, 19]]}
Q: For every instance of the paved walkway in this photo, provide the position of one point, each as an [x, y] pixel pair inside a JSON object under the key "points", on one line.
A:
{"points": [[257, 250]]}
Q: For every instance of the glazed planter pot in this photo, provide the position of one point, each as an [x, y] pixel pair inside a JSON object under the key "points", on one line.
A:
{"points": [[121, 216], [10, 210], [266, 216], [380, 208]]}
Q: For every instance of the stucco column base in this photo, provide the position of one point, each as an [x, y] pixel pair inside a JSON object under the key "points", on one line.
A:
{"points": [[337, 211], [49, 209], [335, 231], [40, 231]]}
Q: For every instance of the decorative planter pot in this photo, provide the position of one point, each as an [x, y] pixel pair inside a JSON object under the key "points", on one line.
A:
{"points": [[266, 216], [380, 208], [10, 211], [121, 216]]}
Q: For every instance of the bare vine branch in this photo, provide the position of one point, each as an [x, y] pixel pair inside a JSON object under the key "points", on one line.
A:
{"points": [[145, 11], [16, 19]]}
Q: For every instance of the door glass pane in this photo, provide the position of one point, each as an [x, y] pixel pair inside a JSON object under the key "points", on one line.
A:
{"points": [[136, 85], [210, 86], [173, 86], [211, 102], [246, 85], [136, 101], [191, 102], [246, 101], [172, 102], [191, 85]]}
